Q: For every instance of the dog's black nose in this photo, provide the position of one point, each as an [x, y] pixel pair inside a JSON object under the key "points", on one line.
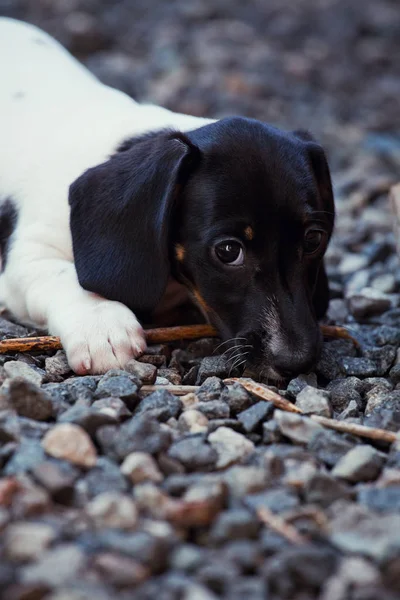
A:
{"points": [[289, 365]]}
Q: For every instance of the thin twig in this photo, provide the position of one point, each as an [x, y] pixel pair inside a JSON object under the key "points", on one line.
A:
{"points": [[177, 390], [333, 331], [278, 524], [381, 435], [263, 392], [153, 336]]}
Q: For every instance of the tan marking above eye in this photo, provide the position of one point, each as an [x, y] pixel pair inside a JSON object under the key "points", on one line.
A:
{"points": [[249, 233], [179, 252]]}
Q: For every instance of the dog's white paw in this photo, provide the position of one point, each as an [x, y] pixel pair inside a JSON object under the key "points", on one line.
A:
{"points": [[98, 335]]}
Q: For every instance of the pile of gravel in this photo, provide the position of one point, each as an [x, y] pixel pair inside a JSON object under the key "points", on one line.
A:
{"points": [[112, 492]]}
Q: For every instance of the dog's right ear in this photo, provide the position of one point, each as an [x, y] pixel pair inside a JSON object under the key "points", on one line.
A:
{"points": [[121, 213]]}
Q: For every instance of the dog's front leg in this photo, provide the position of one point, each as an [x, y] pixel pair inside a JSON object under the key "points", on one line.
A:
{"points": [[41, 286]]}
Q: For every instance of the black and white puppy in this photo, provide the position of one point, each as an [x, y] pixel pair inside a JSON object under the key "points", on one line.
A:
{"points": [[105, 202]]}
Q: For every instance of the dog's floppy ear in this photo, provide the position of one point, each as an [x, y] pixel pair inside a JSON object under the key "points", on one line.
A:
{"points": [[121, 214]]}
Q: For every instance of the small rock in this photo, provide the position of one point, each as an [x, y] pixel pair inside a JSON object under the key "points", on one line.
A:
{"points": [[253, 417], [86, 417], [383, 357], [381, 499], [138, 434], [58, 478], [298, 383], [105, 476], [277, 500], [329, 446], [119, 570], [328, 365], [55, 567], [350, 412], [18, 369], [300, 570], [314, 401], [160, 405], [234, 524], [237, 398], [189, 400], [343, 391], [323, 489], [10, 426], [337, 311], [214, 409], [210, 390], [157, 360], [171, 375], [193, 453], [71, 443], [230, 446], [112, 407], [57, 366], [29, 401], [362, 463], [352, 262], [298, 429], [119, 386], [212, 366], [193, 421], [139, 466], [359, 367], [243, 480], [111, 509], [368, 302], [146, 372], [26, 457], [27, 541], [376, 537]]}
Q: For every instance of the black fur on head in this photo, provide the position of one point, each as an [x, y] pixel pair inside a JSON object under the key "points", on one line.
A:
{"points": [[239, 212]]}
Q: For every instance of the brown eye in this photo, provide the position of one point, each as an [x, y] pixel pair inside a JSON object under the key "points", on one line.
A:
{"points": [[312, 241], [230, 252]]}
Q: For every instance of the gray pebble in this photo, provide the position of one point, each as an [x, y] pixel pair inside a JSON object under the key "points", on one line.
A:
{"points": [[361, 463], [368, 302], [329, 446], [253, 417], [120, 386], [214, 409], [160, 405], [29, 401], [314, 401], [146, 372], [212, 366], [193, 453], [138, 434]]}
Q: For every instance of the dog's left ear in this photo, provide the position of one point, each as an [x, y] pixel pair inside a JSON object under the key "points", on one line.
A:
{"points": [[121, 214]]}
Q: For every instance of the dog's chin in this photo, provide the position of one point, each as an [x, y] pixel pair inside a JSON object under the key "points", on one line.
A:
{"points": [[264, 374]]}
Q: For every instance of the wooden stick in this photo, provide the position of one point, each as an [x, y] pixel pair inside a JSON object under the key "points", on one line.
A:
{"points": [[153, 336], [263, 392], [332, 331], [177, 390], [279, 525], [381, 435]]}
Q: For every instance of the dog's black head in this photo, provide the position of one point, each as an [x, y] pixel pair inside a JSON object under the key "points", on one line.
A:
{"points": [[238, 211]]}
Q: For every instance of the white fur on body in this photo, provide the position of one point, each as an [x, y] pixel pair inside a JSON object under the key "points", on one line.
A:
{"points": [[56, 121]]}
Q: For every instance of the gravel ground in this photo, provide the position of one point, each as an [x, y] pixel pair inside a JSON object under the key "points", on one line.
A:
{"points": [[109, 492]]}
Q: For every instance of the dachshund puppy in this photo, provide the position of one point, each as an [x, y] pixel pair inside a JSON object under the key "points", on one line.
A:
{"points": [[106, 203]]}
